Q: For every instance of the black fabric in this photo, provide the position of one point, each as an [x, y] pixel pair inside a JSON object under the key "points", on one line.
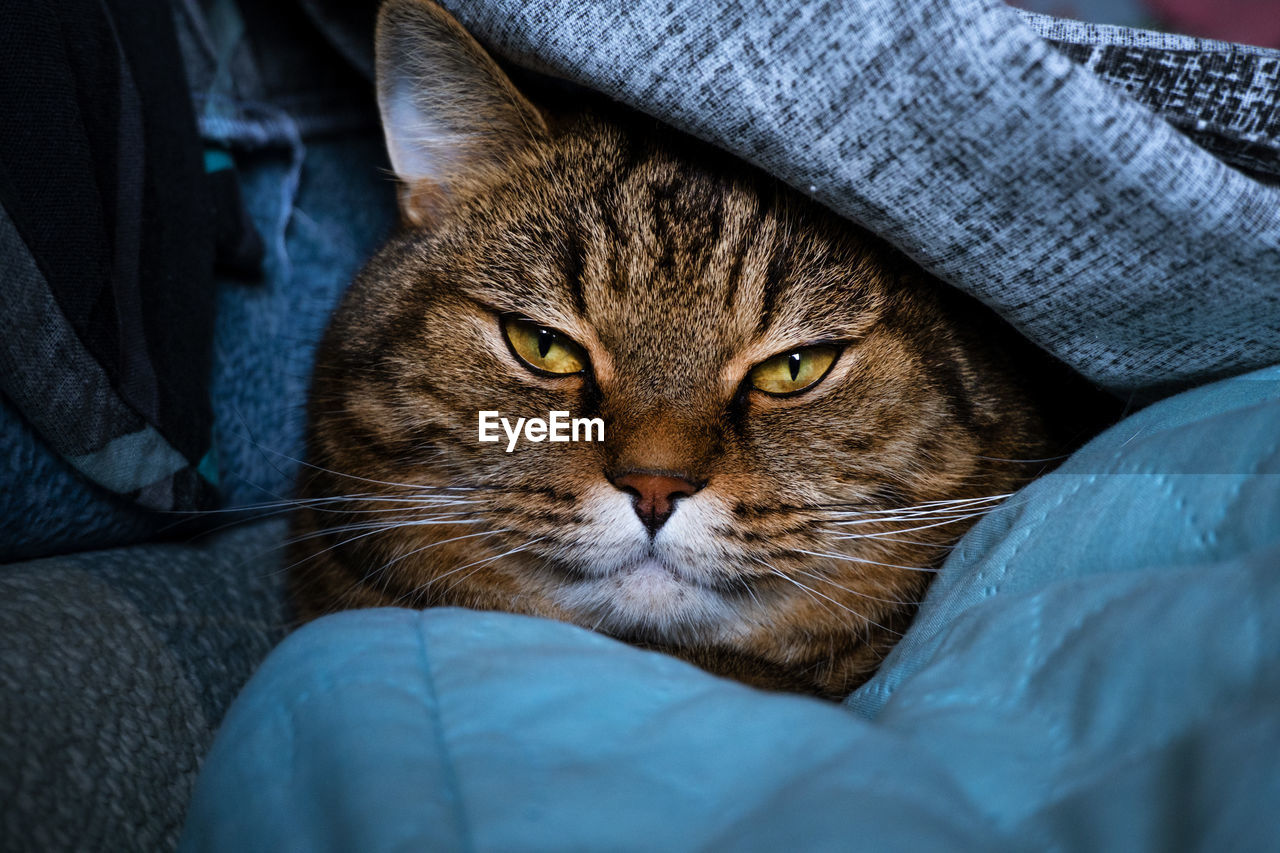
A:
{"points": [[243, 61], [176, 261], [238, 245], [102, 176]]}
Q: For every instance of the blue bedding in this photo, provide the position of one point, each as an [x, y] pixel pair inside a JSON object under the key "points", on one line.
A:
{"points": [[1096, 667]]}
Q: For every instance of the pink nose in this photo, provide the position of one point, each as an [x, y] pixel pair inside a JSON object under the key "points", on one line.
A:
{"points": [[655, 495]]}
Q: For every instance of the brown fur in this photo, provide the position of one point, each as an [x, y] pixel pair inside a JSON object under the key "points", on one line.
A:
{"points": [[677, 270]]}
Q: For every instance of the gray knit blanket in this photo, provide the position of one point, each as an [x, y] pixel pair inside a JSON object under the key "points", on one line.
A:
{"points": [[1072, 196]]}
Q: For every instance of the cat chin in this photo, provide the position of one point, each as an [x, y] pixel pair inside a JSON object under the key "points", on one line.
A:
{"points": [[649, 599]]}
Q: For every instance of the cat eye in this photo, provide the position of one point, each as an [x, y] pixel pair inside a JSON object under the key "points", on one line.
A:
{"points": [[541, 348], [794, 371]]}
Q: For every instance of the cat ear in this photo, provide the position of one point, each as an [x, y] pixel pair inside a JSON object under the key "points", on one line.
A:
{"points": [[449, 113]]}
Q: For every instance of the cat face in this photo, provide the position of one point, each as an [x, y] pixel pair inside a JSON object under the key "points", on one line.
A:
{"points": [[796, 426]]}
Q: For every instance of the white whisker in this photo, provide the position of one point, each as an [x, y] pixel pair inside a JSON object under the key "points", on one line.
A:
{"points": [[828, 580], [430, 545], [813, 591], [915, 529], [941, 520], [848, 559], [418, 589]]}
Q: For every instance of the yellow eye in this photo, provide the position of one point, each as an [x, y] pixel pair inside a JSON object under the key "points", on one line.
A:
{"points": [[795, 371], [541, 348]]}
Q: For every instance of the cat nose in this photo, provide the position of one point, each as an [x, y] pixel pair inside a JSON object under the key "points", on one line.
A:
{"points": [[655, 495]]}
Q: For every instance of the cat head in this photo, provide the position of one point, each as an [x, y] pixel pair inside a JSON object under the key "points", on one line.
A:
{"points": [[797, 423]]}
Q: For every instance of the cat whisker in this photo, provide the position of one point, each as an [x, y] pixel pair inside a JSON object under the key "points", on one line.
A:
{"points": [[413, 593], [391, 524], [334, 473], [750, 592], [828, 580], [263, 511], [885, 537], [318, 504], [403, 520], [923, 505], [845, 558], [954, 501], [937, 520], [935, 508], [401, 503], [807, 590], [381, 528], [813, 592], [886, 534], [383, 568], [486, 561]]}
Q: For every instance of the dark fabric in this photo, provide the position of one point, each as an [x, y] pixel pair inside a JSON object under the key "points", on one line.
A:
{"points": [[300, 124], [244, 64], [1222, 96], [239, 249], [47, 508], [298, 179], [115, 668], [107, 246]]}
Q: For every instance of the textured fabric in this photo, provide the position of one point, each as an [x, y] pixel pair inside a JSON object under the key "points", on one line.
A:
{"points": [[1098, 668], [952, 129], [1180, 487], [303, 162], [313, 172], [1087, 33], [115, 667], [105, 247], [1221, 96], [267, 331], [47, 507]]}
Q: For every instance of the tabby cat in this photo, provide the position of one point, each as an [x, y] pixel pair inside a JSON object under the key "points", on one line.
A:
{"points": [[798, 422]]}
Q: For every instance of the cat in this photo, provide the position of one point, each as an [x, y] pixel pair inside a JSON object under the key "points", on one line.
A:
{"points": [[797, 422]]}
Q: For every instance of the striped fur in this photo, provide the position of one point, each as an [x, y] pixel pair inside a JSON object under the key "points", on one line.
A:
{"points": [[821, 517]]}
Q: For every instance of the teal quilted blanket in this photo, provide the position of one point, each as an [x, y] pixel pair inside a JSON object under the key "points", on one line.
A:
{"points": [[1097, 667]]}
